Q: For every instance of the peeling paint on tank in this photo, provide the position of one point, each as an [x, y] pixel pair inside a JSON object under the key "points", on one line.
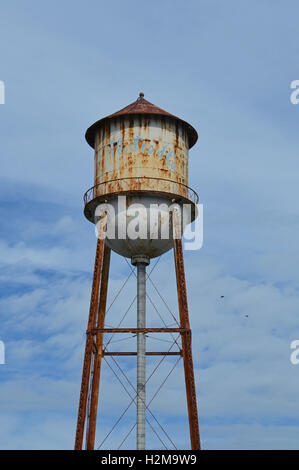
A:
{"points": [[133, 147]]}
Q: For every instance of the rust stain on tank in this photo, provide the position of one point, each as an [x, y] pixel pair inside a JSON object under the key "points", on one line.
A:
{"points": [[142, 152]]}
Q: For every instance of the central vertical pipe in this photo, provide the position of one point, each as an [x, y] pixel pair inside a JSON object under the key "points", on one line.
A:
{"points": [[141, 356], [141, 262]]}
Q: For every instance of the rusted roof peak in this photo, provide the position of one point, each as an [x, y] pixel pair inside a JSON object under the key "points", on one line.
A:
{"points": [[140, 106]]}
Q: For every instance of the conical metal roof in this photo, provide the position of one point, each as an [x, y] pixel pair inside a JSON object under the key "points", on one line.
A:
{"points": [[140, 106]]}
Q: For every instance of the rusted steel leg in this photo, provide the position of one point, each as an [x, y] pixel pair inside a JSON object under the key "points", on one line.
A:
{"points": [[94, 301], [98, 353], [186, 339]]}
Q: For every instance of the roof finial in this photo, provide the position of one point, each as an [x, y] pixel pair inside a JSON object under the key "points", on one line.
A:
{"points": [[141, 95]]}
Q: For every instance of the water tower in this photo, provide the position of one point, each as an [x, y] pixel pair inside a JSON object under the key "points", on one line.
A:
{"points": [[141, 160]]}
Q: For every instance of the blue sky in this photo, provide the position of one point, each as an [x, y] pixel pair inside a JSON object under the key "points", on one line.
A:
{"points": [[225, 67]]}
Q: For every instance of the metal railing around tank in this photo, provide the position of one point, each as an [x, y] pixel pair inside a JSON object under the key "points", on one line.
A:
{"points": [[187, 192]]}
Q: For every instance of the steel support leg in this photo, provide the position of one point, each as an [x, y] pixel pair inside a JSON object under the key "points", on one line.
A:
{"points": [[98, 353], [94, 301], [186, 338]]}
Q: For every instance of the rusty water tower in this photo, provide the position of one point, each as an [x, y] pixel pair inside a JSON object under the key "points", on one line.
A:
{"points": [[141, 155]]}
